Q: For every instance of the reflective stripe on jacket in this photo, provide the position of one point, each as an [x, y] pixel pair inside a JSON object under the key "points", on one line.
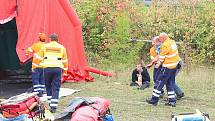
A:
{"points": [[54, 55], [169, 54]]}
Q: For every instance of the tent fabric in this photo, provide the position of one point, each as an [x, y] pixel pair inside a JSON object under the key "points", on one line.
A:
{"points": [[8, 10], [53, 16]]}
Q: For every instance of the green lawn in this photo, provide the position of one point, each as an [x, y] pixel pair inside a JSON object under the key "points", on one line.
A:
{"points": [[128, 104]]}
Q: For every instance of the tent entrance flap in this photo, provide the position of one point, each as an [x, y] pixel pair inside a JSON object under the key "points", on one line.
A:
{"points": [[8, 39]]}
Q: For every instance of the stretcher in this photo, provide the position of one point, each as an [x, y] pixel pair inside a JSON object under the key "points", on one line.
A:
{"points": [[198, 116]]}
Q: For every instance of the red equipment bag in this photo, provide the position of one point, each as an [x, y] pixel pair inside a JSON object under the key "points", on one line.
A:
{"points": [[92, 112], [12, 109]]}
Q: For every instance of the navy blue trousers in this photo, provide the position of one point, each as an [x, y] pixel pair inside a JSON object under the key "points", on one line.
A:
{"points": [[38, 81], [156, 73], [177, 89], [53, 83], [166, 77]]}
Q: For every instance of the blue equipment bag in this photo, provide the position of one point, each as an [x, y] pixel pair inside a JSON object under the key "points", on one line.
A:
{"points": [[108, 116]]}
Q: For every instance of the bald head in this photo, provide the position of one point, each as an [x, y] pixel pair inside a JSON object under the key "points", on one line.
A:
{"points": [[163, 36]]}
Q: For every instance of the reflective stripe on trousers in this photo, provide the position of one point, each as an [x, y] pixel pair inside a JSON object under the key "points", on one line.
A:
{"points": [[53, 82], [166, 77], [38, 80]]}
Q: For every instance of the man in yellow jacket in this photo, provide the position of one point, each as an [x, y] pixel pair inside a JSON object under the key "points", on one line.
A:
{"points": [[37, 71], [54, 62], [169, 60]]}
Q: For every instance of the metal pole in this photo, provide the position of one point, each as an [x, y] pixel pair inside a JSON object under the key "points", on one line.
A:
{"points": [[17, 7]]}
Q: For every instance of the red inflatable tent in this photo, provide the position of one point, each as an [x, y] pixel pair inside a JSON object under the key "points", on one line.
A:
{"points": [[49, 16]]}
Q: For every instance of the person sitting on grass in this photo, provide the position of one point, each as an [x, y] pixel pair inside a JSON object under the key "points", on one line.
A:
{"points": [[140, 77]]}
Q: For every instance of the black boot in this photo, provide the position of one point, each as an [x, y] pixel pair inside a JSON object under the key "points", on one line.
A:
{"points": [[173, 104], [149, 101], [180, 96], [53, 110], [144, 86], [133, 84]]}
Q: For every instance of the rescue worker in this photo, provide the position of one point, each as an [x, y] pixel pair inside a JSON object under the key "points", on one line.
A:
{"points": [[37, 71], [54, 62], [154, 52], [179, 93], [169, 60]]}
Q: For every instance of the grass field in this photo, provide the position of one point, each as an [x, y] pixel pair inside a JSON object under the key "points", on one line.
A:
{"points": [[128, 104]]}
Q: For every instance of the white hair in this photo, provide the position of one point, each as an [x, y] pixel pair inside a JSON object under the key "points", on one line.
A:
{"points": [[163, 34], [155, 38]]}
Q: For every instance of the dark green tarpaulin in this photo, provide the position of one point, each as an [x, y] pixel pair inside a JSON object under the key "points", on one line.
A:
{"points": [[8, 39], [8, 56]]}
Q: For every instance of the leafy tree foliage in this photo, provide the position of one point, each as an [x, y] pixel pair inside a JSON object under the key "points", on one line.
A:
{"points": [[108, 26]]}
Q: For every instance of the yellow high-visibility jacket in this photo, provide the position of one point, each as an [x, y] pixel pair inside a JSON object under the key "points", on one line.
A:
{"points": [[169, 54], [53, 54], [35, 48], [153, 53]]}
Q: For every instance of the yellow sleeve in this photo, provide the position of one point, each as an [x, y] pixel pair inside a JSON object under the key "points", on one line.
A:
{"points": [[163, 53], [65, 60], [153, 53], [38, 57], [34, 47], [29, 50]]}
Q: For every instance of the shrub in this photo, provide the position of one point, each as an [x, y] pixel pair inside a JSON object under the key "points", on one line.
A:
{"points": [[108, 26]]}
